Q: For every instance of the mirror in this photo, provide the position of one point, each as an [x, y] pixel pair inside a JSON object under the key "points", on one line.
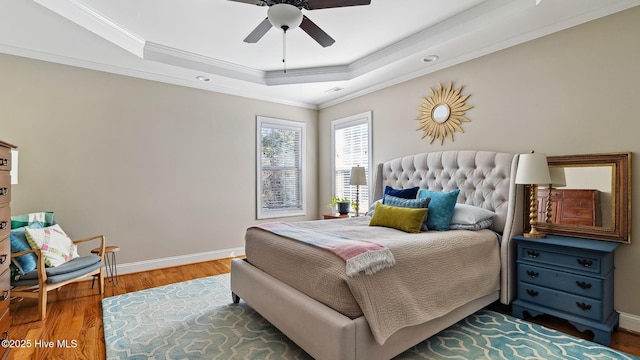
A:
{"points": [[440, 113], [590, 197]]}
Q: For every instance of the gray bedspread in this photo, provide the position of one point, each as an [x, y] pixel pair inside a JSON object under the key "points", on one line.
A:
{"points": [[435, 272]]}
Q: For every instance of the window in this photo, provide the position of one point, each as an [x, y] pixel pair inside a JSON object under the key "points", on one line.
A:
{"points": [[280, 159], [351, 143]]}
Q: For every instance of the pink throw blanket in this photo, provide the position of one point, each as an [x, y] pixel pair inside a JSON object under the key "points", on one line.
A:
{"points": [[359, 255]]}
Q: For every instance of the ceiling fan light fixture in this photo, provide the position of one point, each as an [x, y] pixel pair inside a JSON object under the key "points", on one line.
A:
{"points": [[284, 16]]}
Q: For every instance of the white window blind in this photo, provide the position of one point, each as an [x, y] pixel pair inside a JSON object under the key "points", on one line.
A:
{"points": [[351, 138], [280, 170]]}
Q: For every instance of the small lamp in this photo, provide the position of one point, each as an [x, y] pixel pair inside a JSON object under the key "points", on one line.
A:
{"points": [[358, 177], [557, 180], [533, 170]]}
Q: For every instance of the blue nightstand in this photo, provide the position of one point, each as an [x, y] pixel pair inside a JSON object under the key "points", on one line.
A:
{"points": [[570, 278]]}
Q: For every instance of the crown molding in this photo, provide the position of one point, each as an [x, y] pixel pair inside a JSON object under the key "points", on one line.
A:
{"points": [[172, 56], [100, 25], [152, 76], [449, 29]]}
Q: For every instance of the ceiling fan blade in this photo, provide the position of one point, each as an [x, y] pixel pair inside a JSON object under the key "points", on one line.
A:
{"points": [[259, 31], [252, 2], [325, 4], [316, 33]]}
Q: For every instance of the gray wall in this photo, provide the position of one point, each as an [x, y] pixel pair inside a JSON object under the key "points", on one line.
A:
{"points": [[161, 170], [573, 92]]}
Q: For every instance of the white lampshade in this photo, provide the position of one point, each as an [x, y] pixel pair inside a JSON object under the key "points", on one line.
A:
{"points": [[557, 177], [284, 15], [358, 176], [533, 169]]}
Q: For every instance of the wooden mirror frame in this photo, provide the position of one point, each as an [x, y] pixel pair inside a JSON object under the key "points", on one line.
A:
{"points": [[621, 196]]}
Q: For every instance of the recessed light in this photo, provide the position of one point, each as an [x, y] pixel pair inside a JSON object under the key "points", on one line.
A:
{"points": [[430, 58], [334, 89], [203, 78]]}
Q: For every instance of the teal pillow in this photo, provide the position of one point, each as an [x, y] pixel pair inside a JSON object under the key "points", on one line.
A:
{"points": [[405, 219], [441, 208], [27, 262], [409, 193], [409, 203]]}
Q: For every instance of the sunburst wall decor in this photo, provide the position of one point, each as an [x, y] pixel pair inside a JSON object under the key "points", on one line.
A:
{"points": [[442, 113]]}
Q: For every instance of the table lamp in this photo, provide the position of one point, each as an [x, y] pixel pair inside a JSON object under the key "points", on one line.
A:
{"points": [[358, 177], [533, 170]]}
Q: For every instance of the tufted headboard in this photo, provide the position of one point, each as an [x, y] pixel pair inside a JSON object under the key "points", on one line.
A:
{"points": [[485, 179]]}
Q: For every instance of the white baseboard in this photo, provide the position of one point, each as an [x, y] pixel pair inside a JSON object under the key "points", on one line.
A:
{"points": [[630, 322], [138, 266]]}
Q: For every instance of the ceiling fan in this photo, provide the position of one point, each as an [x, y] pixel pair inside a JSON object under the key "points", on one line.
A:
{"points": [[287, 15]]}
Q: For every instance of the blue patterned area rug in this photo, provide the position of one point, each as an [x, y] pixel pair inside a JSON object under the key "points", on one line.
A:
{"points": [[196, 319]]}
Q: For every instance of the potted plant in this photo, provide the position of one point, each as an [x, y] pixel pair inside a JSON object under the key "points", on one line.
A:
{"points": [[343, 205]]}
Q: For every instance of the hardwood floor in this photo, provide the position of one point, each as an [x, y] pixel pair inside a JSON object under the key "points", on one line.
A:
{"points": [[74, 314]]}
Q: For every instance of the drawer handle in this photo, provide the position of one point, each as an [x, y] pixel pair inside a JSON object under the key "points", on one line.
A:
{"points": [[583, 285], [5, 295], [533, 254], [3, 225], [583, 306], [585, 262], [4, 161], [532, 292], [3, 258], [532, 274], [4, 191]]}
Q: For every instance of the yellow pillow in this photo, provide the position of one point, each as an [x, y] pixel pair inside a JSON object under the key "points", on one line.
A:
{"points": [[405, 219]]}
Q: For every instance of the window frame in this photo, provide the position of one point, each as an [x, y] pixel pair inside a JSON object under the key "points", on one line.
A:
{"points": [[353, 120], [301, 127]]}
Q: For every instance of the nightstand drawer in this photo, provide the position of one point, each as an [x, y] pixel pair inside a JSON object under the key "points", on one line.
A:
{"points": [[535, 255], [569, 303], [575, 284]]}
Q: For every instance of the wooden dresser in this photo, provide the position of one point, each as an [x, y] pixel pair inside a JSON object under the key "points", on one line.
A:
{"points": [[569, 278], [570, 206], [5, 244]]}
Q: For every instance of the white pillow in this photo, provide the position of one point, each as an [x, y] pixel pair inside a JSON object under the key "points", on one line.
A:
{"points": [[372, 208], [57, 248], [469, 214]]}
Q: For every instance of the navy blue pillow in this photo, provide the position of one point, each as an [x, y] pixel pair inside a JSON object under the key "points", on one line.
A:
{"points": [[410, 193]]}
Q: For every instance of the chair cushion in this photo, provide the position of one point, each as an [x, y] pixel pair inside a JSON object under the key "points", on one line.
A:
{"points": [[27, 262], [73, 265], [60, 277]]}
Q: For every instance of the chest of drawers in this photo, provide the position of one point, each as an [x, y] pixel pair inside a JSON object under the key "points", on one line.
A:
{"points": [[5, 243], [569, 278], [574, 207]]}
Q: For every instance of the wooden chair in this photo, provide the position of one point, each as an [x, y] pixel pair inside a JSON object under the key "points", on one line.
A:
{"points": [[37, 283]]}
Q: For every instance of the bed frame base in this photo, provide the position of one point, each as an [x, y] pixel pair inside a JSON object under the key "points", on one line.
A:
{"points": [[321, 331]]}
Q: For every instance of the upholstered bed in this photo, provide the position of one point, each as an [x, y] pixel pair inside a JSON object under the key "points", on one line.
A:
{"points": [[306, 293]]}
